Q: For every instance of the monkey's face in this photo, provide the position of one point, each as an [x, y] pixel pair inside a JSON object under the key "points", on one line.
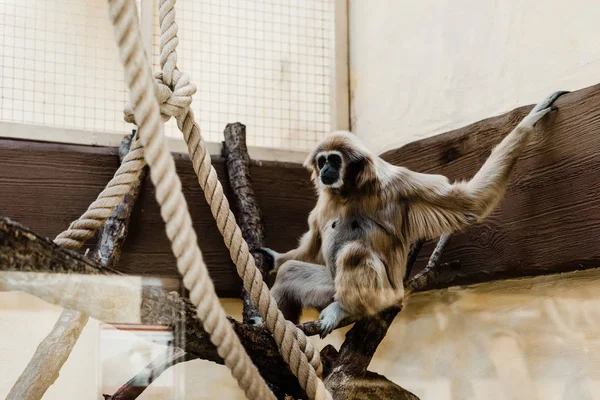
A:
{"points": [[341, 163], [331, 166]]}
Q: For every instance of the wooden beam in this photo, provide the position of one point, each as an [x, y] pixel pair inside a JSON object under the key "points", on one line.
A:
{"points": [[47, 185], [549, 220]]}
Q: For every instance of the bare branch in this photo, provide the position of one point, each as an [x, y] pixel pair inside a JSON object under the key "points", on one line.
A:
{"points": [[136, 385], [433, 268], [371, 386], [115, 229], [249, 216], [413, 253], [362, 340], [419, 282], [50, 355]]}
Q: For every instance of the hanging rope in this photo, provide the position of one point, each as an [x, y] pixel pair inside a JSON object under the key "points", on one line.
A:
{"points": [[173, 206], [174, 92], [113, 194]]}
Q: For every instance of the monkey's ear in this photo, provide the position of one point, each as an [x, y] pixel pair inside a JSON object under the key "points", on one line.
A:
{"points": [[366, 173], [309, 163]]}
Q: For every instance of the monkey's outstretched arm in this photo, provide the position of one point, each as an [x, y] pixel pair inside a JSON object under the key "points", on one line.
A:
{"points": [[435, 206], [309, 249]]}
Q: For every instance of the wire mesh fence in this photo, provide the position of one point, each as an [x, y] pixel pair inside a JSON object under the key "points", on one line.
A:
{"points": [[265, 63]]}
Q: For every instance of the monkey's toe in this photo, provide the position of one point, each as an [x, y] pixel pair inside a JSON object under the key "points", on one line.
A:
{"points": [[255, 321], [329, 319], [326, 328]]}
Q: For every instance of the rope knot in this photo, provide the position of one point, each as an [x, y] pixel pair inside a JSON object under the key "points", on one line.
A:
{"points": [[174, 101]]}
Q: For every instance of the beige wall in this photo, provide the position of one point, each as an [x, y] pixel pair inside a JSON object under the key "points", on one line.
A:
{"points": [[420, 68], [522, 339]]}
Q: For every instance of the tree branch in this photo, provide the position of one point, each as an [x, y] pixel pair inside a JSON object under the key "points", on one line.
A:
{"points": [[249, 216], [355, 355], [44, 367], [136, 385], [419, 282], [430, 273], [22, 250]]}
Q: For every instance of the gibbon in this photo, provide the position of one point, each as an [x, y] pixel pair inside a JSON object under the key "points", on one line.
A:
{"points": [[352, 260]]}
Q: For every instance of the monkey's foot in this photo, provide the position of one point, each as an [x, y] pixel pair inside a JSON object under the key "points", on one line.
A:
{"points": [[330, 318], [541, 109]]}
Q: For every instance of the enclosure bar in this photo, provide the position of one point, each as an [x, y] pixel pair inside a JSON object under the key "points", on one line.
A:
{"points": [[339, 89]]}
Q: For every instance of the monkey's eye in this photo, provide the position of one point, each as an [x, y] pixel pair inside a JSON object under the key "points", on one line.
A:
{"points": [[321, 162], [335, 161]]}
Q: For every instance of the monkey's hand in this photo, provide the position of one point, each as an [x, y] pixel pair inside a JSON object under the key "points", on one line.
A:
{"points": [[330, 318], [276, 258], [540, 110]]}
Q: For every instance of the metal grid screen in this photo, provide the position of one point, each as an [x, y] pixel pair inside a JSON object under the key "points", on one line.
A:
{"points": [[266, 63]]}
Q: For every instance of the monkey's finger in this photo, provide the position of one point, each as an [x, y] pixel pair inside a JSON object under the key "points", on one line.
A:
{"points": [[326, 328], [267, 252], [540, 114]]}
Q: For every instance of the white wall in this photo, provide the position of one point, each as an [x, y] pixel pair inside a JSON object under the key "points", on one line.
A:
{"points": [[420, 68], [528, 339]]}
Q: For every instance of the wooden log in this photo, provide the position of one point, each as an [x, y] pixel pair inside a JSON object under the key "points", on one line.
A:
{"points": [[248, 213], [349, 370]]}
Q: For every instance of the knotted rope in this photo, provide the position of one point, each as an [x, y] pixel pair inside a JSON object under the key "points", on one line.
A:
{"points": [[296, 349], [173, 206]]}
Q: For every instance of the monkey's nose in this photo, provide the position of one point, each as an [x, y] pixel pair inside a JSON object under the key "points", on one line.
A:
{"points": [[329, 178]]}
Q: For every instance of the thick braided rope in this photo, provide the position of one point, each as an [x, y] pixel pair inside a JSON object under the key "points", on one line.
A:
{"points": [[173, 206], [226, 223], [295, 347], [177, 105], [113, 194]]}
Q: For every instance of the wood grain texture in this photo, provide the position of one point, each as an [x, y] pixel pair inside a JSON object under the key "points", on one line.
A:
{"points": [[549, 220], [47, 185]]}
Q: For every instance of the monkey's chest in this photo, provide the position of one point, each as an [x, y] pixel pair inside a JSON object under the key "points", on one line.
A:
{"points": [[336, 233]]}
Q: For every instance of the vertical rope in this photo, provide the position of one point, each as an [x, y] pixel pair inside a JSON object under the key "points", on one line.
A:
{"points": [[295, 347], [173, 206]]}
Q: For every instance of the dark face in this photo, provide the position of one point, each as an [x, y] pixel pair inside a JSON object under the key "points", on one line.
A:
{"points": [[330, 165]]}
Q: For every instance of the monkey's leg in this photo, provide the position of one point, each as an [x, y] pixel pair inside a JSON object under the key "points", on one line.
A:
{"points": [[301, 284]]}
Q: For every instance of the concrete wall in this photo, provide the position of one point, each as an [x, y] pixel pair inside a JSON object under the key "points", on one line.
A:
{"points": [[420, 68]]}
